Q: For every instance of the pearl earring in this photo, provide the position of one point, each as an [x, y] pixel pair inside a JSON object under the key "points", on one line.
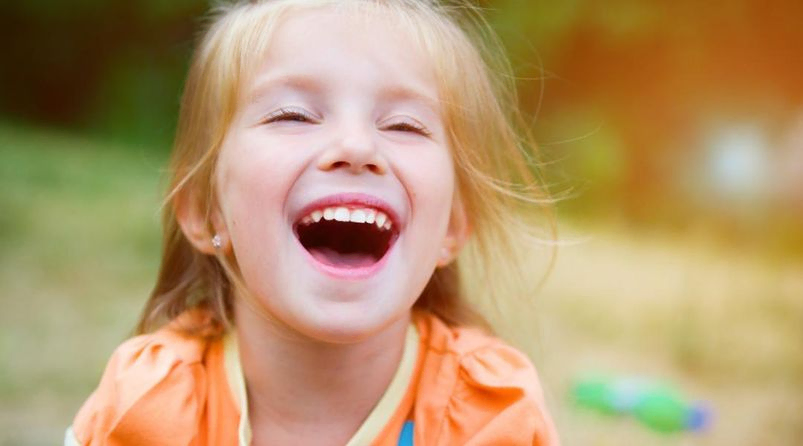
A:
{"points": [[445, 257], [217, 242], [446, 253]]}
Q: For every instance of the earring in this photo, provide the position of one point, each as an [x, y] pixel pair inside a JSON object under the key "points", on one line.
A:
{"points": [[445, 257], [217, 242], [446, 254]]}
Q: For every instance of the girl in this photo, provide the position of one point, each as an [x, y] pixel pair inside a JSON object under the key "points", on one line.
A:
{"points": [[332, 158]]}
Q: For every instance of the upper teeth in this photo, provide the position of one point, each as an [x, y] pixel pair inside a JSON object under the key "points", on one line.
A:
{"points": [[353, 215]]}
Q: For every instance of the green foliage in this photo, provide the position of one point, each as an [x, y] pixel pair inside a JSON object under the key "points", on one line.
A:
{"points": [[137, 103], [61, 10], [55, 9], [530, 27], [112, 69]]}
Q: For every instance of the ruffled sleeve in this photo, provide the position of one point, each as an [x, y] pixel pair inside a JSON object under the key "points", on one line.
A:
{"points": [[483, 392], [151, 392]]}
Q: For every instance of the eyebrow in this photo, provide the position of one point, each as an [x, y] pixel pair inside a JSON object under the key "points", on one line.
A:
{"points": [[295, 82], [403, 93], [310, 84]]}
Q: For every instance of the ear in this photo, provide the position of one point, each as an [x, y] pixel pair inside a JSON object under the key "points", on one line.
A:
{"points": [[200, 226], [456, 234]]}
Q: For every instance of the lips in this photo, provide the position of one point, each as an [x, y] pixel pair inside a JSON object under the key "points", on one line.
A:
{"points": [[347, 235]]}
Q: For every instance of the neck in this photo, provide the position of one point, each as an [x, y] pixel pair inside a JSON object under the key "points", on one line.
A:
{"points": [[303, 388]]}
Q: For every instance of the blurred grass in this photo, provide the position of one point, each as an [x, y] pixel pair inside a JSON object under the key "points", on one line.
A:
{"points": [[79, 246]]}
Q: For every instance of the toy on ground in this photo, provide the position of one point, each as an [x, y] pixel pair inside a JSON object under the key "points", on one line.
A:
{"points": [[657, 405]]}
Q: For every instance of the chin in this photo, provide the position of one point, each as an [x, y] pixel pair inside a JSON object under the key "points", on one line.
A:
{"points": [[350, 323]]}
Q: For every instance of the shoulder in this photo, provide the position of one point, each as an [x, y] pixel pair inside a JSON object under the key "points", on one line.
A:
{"points": [[152, 389], [476, 389], [477, 358]]}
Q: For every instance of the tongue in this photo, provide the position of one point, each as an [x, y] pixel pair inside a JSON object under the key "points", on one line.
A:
{"points": [[342, 260]]}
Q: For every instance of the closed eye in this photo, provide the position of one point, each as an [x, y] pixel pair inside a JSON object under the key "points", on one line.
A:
{"points": [[405, 126], [287, 114]]}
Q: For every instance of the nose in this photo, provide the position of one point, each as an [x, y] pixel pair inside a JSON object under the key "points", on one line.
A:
{"points": [[355, 151]]}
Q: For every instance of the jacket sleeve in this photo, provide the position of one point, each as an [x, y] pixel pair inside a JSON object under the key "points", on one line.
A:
{"points": [[151, 392], [497, 399]]}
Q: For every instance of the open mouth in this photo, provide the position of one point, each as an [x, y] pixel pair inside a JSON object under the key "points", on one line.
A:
{"points": [[347, 237]]}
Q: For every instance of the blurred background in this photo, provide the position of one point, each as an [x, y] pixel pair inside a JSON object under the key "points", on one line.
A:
{"points": [[674, 130]]}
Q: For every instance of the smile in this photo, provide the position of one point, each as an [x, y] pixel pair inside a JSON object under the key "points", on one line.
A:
{"points": [[349, 239]]}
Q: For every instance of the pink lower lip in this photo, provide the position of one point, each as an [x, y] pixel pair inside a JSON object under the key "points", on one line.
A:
{"points": [[356, 273]]}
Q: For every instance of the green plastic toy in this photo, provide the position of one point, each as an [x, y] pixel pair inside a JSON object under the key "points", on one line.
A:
{"points": [[657, 405]]}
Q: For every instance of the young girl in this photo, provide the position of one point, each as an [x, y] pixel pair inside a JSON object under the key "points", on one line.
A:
{"points": [[332, 159]]}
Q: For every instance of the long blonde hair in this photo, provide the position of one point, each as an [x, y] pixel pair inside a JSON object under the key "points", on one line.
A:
{"points": [[507, 207]]}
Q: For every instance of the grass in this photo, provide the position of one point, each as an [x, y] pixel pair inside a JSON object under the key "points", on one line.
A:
{"points": [[79, 241], [79, 245]]}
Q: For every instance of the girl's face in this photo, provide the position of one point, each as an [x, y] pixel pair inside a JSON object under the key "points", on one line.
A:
{"points": [[335, 182]]}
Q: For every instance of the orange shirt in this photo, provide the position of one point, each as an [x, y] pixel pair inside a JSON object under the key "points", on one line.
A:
{"points": [[465, 388]]}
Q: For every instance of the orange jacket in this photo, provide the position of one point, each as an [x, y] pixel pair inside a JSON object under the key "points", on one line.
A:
{"points": [[466, 388]]}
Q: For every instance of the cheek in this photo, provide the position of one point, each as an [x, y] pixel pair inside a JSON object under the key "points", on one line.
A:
{"points": [[245, 186], [430, 182], [438, 180], [252, 188], [254, 174]]}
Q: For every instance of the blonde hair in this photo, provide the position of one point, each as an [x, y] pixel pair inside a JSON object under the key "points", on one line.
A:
{"points": [[507, 207]]}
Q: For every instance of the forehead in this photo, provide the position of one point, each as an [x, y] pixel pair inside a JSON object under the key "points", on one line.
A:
{"points": [[347, 46]]}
